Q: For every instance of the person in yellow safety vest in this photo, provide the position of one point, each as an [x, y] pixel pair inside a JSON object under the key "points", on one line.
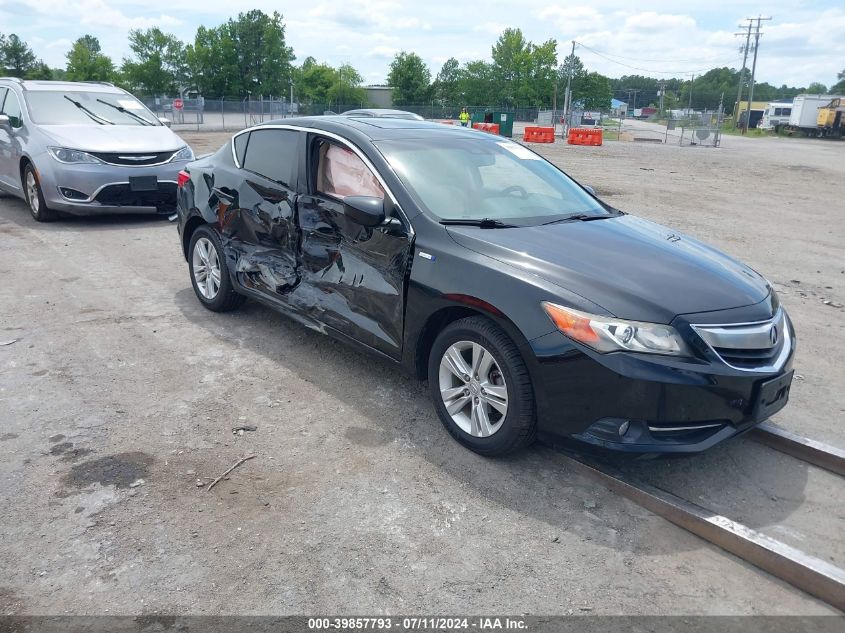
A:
{"points": [[464, 117]]}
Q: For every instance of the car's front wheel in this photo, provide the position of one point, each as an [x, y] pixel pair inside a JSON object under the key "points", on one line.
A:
{"points": [[34, 197], [209, 273], [481, 387]]}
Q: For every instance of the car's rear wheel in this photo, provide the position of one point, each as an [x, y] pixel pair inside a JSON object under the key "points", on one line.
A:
{"points": [[34, 198], [209, 273], [481, 387]]}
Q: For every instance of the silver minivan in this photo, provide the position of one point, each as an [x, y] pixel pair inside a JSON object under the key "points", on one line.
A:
{"points": [[85, 148]]}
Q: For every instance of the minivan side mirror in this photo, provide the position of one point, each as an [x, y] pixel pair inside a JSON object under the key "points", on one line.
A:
{"points": [[5, 123], [364, 210], [165, 121]]}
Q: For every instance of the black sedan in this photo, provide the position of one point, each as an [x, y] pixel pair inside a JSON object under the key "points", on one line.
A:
{"points": [[530, 306]]}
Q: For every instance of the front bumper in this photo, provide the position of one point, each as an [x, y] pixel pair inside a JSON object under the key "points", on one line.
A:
{"points": [[670, 405], [97, 189]]}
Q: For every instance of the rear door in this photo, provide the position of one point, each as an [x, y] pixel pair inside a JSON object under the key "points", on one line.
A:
{"points": [[263, 234], [352, 277], [10, 146]]}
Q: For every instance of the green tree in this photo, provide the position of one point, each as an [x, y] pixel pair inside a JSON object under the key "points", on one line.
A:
{"points": [[159, 66], [817, 88], [524, 73], [477, 84], [315, 82], [593, 92], [446, 86], [212, 62], [410, 79], [16, 57], [40, 71], [347, 90], [839, 88], [86, 61]]}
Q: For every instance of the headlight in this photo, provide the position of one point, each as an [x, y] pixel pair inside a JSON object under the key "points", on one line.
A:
{"points": [[72, 156], [186, 153], [607, 334]]}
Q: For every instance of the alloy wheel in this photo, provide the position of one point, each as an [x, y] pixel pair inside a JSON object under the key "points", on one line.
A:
{"points": [[206, 266], [32, 193], [473, 388]]}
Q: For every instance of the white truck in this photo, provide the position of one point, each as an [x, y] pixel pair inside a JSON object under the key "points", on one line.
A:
{"points": [[805, 112], [776, 115]]}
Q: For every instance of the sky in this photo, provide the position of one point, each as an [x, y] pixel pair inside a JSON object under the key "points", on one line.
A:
{"points": [[802, 43]]}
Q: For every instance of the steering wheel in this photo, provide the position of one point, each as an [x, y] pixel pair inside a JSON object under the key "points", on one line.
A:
{"points": [[514, 189]]}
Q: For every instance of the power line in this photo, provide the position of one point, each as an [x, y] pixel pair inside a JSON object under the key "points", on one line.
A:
{"points": [[657, 72]]}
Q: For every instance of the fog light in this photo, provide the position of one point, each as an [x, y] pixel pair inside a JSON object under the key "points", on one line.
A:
{"points": [[623, 428]]}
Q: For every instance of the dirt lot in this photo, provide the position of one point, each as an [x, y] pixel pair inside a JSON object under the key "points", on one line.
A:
{"points": [[120, 392]]}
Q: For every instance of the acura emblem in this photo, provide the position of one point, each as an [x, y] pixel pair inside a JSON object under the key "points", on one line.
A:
{"points": [[773, 335]]}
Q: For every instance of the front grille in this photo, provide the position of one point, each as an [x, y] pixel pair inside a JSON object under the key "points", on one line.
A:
{"points": [[164, 198], [137, 159], [753, 346]]}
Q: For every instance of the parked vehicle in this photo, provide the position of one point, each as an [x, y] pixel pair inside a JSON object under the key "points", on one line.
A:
{"points": [[776, 115], [805, 112], [85, 148], [383, 113], [830, 120], [531, 306]]}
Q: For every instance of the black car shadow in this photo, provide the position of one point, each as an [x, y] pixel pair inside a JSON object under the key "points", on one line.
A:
{"points": [[538, 482]]}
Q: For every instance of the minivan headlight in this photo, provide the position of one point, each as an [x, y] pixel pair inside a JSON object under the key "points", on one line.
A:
{"points": [[72, 156], [186, 153], [608, 334]]}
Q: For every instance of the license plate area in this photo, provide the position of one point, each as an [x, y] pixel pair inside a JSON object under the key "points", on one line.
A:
{"points": [[143, 183], [772, 396]]}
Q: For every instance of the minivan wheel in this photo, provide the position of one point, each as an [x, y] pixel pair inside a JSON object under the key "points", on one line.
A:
{"points": [[209, 273], [34, 197], [481, 387]]}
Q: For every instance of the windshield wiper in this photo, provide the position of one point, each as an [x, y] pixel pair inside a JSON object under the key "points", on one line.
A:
{"points": [[484, 223], [579, 217], [99, 119], [123, 110]]}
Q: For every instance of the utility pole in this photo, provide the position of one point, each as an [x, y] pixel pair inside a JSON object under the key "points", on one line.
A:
{"points": [[661, 86], [753, 70], [689, 106], [742, 70], [568, 97], [290, 107]]}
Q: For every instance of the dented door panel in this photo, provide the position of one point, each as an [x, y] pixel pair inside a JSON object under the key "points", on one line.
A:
{"points": [[353, 278]]}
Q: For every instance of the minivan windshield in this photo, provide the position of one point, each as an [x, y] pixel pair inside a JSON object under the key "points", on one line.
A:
{"points": [[457, 178], [70, 107]]}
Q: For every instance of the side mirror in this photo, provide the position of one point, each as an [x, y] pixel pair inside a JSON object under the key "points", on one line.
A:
{"points": [[165, 121], [5, 123], [364, 210], [590, 190]]}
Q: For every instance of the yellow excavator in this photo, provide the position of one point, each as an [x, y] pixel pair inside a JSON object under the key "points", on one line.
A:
{"points": [[831, 119]]}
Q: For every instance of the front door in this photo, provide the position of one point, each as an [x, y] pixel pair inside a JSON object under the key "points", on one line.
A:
{"points": [[353, 277]]}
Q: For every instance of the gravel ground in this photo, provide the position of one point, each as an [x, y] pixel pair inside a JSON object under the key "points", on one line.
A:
{"points": [[120, 394]]}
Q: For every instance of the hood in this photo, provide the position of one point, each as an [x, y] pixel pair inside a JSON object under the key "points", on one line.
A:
{"points": [[114, 138], [633, 268]]}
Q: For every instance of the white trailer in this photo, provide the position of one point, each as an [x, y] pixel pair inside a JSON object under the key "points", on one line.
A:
{"points": [[805, 112]]}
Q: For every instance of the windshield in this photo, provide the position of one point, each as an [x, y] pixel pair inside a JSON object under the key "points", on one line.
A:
{"points": [[59, 107], [460, 178]]}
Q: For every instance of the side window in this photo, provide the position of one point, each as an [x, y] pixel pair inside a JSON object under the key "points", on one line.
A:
{"points": [[240, 147], [12, 109], [272, 154], [787, 111], [341, 173]]}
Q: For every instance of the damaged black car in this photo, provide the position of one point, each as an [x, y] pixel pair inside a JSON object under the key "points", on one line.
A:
{"points": [[531, 307]]}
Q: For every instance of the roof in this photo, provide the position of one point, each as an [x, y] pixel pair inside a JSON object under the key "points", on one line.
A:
{"points": [[378, 112], [379, 129], [77, 86]]}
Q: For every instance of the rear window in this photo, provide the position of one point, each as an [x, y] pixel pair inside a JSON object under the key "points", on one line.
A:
{"points": [[272, 154]]}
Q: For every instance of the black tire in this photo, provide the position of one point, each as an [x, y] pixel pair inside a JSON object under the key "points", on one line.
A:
{"points": [[518, 426], [226, 298], [43, 213]]}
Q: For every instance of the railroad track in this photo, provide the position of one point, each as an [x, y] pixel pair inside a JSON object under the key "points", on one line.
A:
{"points": [[812, 575]]}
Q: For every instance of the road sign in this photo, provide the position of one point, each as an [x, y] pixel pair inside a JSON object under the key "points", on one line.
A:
{"points": [[178, 104]]}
